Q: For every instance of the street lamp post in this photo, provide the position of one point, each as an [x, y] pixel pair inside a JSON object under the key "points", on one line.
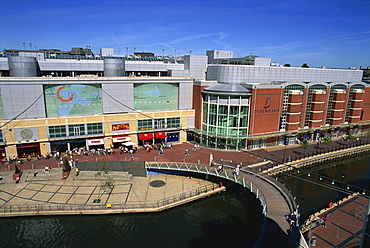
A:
{"points": [[285, 143]]}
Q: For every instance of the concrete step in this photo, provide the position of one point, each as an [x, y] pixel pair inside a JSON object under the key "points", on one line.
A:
{"points": [[56, 174]]}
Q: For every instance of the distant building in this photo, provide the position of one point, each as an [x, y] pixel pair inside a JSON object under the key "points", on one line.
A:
{"points": [[145, 55]]}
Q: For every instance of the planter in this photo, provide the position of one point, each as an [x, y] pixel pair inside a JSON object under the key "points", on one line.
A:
{"points": [[65, 174], [15, 176]]}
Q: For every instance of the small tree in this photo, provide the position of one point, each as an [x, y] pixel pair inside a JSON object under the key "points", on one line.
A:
{"points": [[305, 65], [327, 140], [103, 170], [305, 145], [106, 182], [351, 137], [287, 65]]}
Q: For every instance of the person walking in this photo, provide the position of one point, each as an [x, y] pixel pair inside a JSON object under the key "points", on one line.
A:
{"points": [[237, 170], [220, 168], [324, 220]]}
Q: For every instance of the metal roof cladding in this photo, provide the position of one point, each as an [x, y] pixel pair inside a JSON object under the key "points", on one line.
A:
{"points": [[229, 89]]}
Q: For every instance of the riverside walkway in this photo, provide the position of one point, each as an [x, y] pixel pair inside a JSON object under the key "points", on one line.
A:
{"points": [[344, 225]]}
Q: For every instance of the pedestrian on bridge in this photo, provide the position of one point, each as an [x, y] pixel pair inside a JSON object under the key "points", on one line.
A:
{"points": [[220, 168], [237, 170]]}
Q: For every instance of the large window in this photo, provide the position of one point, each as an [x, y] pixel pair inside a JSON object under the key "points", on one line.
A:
{"points": [[145, 124], [57, 131], [94, 128], [156, 96], [226, 115], [173, 122], [162, 123], [75, 130]]}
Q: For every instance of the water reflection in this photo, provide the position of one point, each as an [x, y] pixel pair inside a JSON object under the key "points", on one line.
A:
{"points": [[313, 196]]}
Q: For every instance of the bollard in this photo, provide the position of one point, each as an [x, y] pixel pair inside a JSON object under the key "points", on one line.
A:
{"points": [[96, 159], [33, 167], [313, 241], [155, 159], [183, 160], [198, 161], [8, 167]]}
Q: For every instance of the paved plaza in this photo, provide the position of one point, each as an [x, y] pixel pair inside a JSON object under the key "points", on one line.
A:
{"points": [[48, 190]]}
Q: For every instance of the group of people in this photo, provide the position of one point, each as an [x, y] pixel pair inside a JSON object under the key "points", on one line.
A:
{"points": [[127, 149], [291, 218], [159, 146]]}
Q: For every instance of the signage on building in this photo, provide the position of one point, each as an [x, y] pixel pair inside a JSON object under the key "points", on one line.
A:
{"points": [[267, 107], [123, 126]]}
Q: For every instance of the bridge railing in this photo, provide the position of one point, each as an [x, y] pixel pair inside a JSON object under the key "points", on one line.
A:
{"points": [[292, 198]]}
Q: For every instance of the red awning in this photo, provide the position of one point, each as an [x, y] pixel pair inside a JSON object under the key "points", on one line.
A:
{"points": [[145, 136], [160, 135]]}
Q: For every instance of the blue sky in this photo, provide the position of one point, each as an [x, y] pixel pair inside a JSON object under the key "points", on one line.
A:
{"points": [[332, 33]]}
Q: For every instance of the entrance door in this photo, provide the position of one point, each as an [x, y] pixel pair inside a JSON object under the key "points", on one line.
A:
{"points": [[76, 131], [173, 137], [256, 144]]}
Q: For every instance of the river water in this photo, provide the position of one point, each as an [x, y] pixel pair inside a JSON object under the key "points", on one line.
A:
{"points": [[314, 194], [228, 219]]}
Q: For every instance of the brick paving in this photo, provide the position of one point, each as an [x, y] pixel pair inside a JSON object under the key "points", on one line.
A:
{"points": [[344, 225]]}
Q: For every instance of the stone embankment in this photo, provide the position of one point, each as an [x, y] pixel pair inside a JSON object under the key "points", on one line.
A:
{"points": [[318, 159]]}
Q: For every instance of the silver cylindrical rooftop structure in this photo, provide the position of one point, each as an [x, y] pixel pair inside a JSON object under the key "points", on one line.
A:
{"points": [[22, 66], [114, 67]]}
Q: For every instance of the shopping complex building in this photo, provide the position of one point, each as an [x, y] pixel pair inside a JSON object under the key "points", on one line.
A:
{"points": [[56, 101]]}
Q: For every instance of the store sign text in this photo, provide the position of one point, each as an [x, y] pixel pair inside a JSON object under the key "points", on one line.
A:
{"points": [[263, 111], [124, 126]]}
